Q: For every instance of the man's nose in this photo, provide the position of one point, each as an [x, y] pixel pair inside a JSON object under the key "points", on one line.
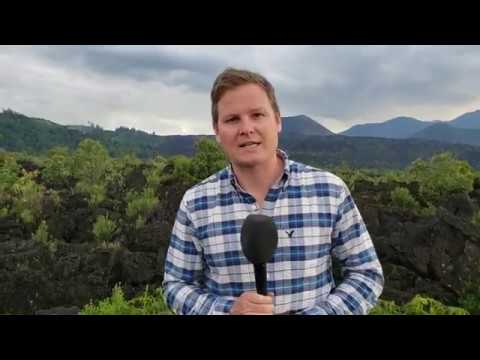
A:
{"points": [[246, 126]]}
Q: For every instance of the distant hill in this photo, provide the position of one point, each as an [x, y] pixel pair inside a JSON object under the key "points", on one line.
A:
{"points": [[446, 133], [303, 125], [21, 133], [364, 152], [469, 120], [396, 128], [454, 131]]}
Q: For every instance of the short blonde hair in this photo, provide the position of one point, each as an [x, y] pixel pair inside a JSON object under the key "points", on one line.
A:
{"points": [[231, 78]]}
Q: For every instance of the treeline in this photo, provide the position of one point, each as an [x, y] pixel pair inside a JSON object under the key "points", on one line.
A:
{"points": [[20, 133]]}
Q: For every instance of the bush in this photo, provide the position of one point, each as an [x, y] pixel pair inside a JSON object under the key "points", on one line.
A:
{"points": [[104, 229], [91, 166], [419, 305], [471, 302], [139, 206], [9, 171], [3, 212], [476, 218], [385, 307], [402, 199], [441, 176], [154, 174], [208, 159], [58, 167], [28, 195], [42, 236], [149, 303], [121, 168], [96, 193]]}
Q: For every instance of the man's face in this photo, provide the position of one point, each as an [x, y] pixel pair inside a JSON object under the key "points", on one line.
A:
{"points": [[247, 126]]}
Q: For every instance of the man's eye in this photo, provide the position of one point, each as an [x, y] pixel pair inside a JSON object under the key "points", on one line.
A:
{"points": [[229, 120], [257, 115]]}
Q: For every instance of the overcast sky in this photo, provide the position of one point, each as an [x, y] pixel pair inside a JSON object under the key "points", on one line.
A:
{"points": [[165, 89]]}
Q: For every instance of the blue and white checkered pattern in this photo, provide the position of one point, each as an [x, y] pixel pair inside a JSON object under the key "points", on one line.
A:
{"points": [[316, 217]]}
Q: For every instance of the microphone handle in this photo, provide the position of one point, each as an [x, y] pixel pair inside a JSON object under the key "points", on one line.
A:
{"points": [[261, 278]]}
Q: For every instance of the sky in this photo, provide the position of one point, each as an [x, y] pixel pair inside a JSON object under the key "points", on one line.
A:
{"points": [[166, 89]]}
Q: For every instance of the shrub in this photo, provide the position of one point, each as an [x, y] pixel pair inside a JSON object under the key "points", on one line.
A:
{"points": [[149, 303], [476, 218], [419, 305], [28, 195], [139, 206], [441, 176], [426, 306], [91, 166], [58, 167], [402, 199], [42, 236], [104, 229]]}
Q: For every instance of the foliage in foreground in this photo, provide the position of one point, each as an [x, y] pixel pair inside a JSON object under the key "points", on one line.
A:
{"points": [[149, 303], [419, 305]]}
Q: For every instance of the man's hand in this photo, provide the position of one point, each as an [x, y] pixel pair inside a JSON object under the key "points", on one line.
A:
{"points": [[251, 303]]}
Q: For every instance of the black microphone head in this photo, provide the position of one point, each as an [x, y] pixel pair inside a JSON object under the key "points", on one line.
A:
{"points": [[259, 238]]}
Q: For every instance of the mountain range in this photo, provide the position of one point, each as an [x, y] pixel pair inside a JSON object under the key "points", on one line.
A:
{"points": [[302, 137], [464, 129]]}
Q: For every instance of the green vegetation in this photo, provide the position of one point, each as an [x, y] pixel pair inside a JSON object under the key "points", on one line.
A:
{"points": [[440, 176], [91, 164], [476, 218], [104, 229], [402, 199], [118, 195], [139, 206], [419, 305], [148, 303], [42, 236], [28, 196]]}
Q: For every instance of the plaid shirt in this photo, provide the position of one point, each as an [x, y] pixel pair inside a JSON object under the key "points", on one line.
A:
{"points": [[316, 217]]}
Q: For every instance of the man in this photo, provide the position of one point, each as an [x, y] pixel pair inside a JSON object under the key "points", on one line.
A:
{"points": [[206, 271]]}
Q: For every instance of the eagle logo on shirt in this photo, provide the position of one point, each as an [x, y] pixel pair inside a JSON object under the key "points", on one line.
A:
{"points": [[289, 233]]}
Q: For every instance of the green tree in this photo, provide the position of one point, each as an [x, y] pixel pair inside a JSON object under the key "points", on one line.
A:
{"points": [[9, 171], [58, 167], [140, 206], [208, 159], [43, 237], [104, 229], [28, 196], [155, 172], [441, 176], [120, 169], [91, 166], [402, 199]]}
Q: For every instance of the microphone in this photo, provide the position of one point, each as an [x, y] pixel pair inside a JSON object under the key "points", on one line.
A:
{"points": [[259, 239]]}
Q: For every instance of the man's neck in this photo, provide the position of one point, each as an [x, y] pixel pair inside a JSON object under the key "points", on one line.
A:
{"points": [[259, 179]]}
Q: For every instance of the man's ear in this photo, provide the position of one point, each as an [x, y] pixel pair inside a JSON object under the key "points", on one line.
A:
{"points": [[279, 121]]}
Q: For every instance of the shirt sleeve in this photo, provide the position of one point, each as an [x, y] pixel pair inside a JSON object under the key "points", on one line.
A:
{"points": [[184, 272], [363, 278]]}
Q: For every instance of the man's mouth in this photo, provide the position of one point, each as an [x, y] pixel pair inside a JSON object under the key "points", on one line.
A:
{"points": [[249, 144]]}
